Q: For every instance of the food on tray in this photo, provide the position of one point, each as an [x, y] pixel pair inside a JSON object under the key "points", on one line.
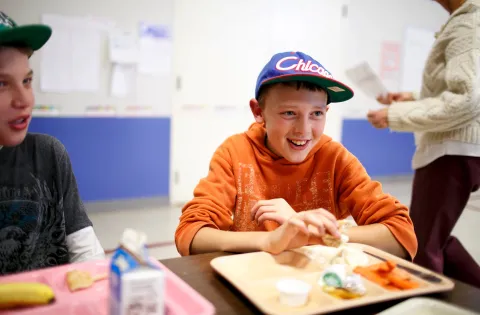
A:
{"points": [[387, 275], [331, 241], [24, 294], [78, 280], [327, 256], [337, 281], [340, 293], [293, 292], [352, 257]]}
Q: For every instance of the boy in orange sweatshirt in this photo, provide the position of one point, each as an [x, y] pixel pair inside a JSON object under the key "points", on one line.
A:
{"points": [[283, 183]]}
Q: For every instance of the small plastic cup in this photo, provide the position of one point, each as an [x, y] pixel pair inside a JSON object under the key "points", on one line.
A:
{"points": [[293, 292]]}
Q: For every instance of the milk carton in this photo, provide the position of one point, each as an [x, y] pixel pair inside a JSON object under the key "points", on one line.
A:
{"points": [[136, 285]]}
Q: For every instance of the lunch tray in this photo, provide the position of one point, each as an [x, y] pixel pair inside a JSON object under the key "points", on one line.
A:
{"points": [[255, 275], [180, 298]]}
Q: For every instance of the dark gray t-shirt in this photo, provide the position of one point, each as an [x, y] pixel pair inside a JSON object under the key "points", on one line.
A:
{"points": [[39, 205]]}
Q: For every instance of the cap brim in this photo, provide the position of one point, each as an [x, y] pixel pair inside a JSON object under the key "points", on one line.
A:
{"points": [[32, 36], [337, 91]]}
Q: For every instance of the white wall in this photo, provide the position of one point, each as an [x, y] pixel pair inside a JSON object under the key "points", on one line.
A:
{"points": [[150, 91]]}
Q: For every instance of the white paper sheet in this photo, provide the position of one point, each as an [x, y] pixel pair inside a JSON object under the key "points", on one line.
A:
{"points": [[85, 54], [155, 50], [55, 67], [70, 61], [417, 46], [123, 48], [366, 80], [122, 80]]}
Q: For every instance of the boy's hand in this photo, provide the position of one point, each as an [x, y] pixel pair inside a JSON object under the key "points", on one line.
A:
{"points": [[395, 97], [298, 229], [277, 210]]}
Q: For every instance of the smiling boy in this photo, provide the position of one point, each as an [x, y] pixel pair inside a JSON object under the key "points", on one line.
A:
{"points": [[283, 183], [43, 222]]}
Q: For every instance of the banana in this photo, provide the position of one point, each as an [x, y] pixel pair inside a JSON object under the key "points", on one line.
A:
{"points": [[25, 294]]}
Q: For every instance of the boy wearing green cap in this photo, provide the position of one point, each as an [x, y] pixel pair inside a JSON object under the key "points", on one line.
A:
{"points": [[43, 222]]}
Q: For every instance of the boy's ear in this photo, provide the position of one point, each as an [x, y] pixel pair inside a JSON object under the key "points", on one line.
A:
{"points": [[328, 107], [256, 111]]}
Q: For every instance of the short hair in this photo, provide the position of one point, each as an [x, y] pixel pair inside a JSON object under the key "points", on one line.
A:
{"points": [[19, 46], [305, 85]]}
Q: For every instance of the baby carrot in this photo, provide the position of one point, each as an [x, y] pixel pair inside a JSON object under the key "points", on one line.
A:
{"points": [[371, 275]]}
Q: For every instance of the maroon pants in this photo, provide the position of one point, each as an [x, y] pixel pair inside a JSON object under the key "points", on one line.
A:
{"points": [[440, 193]]}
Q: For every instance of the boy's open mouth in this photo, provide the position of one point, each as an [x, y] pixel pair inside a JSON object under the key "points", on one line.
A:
{"points": [[299, 143]]}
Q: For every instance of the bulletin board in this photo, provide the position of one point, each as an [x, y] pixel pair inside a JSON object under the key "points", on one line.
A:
{"points": [[75, 74]]}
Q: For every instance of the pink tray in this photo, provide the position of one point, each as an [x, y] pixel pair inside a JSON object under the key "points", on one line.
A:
{"points": [[94, 300]]}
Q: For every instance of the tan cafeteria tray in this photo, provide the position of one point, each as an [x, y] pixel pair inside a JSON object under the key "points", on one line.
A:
{"points": [[256, 274]]}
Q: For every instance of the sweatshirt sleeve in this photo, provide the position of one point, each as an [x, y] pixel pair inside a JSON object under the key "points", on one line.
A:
{"points": [[212, 204], [368, 204], [457, 105]]}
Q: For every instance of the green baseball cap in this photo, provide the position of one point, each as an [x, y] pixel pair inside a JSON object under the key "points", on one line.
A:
{"points": [[32, 36]]}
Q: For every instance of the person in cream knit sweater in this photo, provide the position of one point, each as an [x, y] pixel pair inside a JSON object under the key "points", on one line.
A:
{"points": [[445, 118]]}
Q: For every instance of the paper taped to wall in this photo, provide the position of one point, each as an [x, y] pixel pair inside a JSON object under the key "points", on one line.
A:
{"points": [[155, 49], [70, 60], [367, 80], [122, 80], [123, 48]]}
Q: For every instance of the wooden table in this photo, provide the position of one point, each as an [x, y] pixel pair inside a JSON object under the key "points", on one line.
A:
{"points": [[196, 271]]}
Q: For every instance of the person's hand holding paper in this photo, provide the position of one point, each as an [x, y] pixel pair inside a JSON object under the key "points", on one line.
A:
{"points": [[389, 98], [379, 118]]}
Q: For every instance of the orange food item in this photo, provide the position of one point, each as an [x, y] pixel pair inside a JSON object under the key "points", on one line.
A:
{"points": [[402, 283], [387, 275], [371, 275]]}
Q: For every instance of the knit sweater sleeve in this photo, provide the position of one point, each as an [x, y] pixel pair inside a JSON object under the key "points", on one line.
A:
{"points": [[457, 106]]}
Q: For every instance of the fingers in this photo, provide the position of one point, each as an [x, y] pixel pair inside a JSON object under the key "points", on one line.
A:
{"points": [[272, 216], [385, 99], [263, 210], [325, 213], [402, 97], [328, 215], [296, 224], [322, 224], [376, 120], [258, 204]]}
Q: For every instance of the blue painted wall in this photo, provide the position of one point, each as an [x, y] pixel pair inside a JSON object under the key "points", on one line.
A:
{"points": [[382, 153], [114, 158], [128, 158]]}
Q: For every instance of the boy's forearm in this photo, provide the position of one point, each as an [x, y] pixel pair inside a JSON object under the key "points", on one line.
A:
{"points": [[379, 236], [209, 240]]}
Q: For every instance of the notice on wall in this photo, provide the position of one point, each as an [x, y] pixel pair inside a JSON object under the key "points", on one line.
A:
{"points": [[122, 80], [155, 49], [390, 59], [70, 60], [123, 48]]}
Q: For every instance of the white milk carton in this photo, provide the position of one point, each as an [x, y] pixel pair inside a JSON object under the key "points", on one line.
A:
{"points": [[136, 285]]}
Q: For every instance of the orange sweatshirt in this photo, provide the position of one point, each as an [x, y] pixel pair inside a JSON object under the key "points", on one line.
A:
{"points": [[243, 170]]}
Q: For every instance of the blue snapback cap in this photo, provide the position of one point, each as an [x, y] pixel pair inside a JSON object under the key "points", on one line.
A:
{"points": [[297, 66]]}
